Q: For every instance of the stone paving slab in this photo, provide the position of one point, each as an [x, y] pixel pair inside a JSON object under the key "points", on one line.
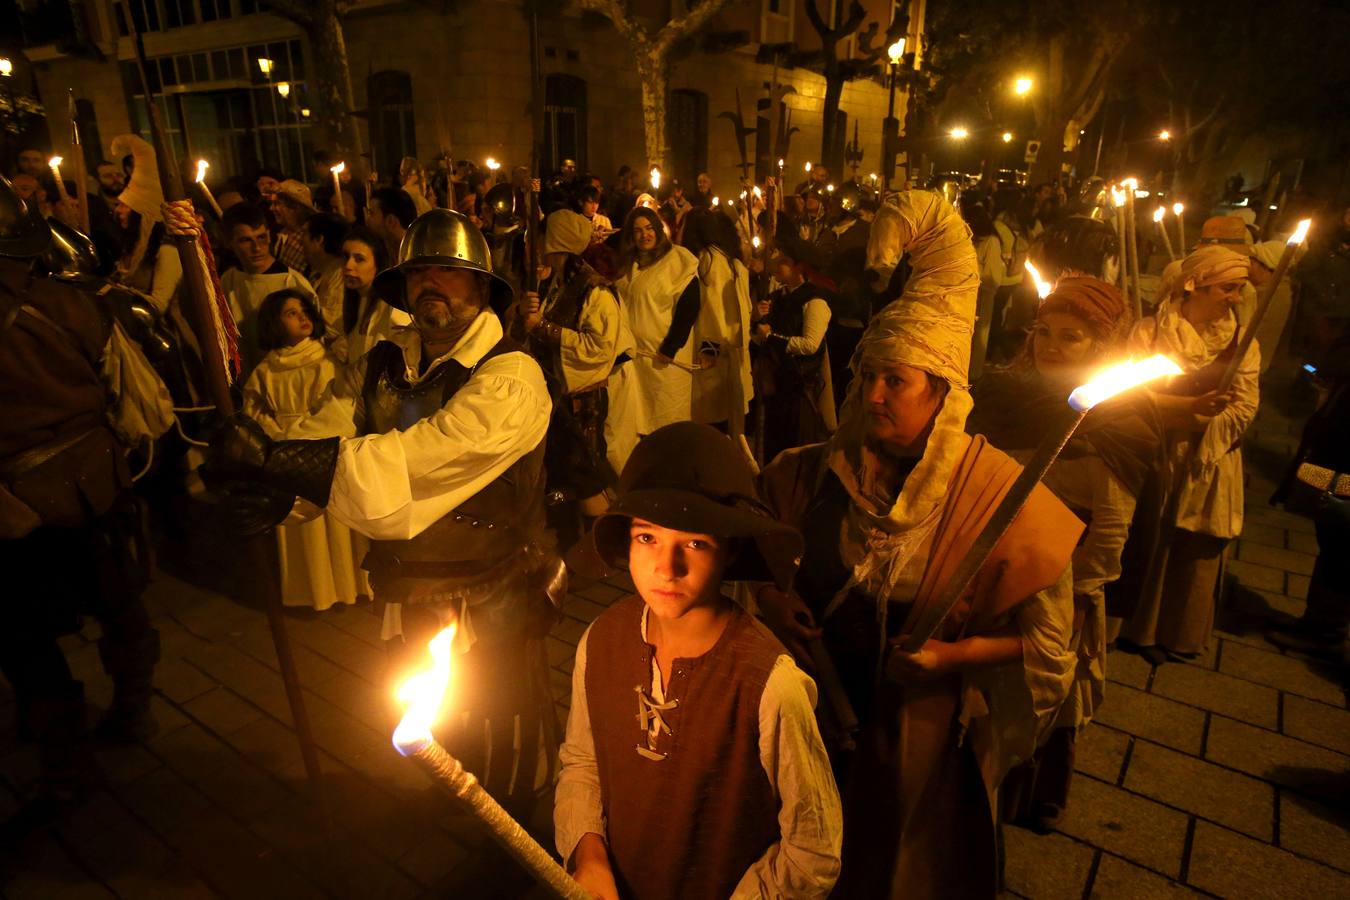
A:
{"points": [[1100, 752], [1291, 763], [1153, 717], [1126, 824], [1203, 789], [1287, 673], [1046, 868], [1229, 864], [1316, 830], [1217, 692], [1119, 879], [1317, 723]]}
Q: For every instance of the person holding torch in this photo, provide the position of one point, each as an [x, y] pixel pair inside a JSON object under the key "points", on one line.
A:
{"points": [[890, 507], [1197, 326], [1080, 326]]}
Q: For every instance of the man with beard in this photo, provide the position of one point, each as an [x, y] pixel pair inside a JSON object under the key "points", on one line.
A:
{"points": [[433, 446]]}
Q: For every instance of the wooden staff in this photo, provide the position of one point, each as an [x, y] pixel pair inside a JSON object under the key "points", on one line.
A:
{"points": [[200, 297], [1158, 215], [81, 171], [1132, 236]]}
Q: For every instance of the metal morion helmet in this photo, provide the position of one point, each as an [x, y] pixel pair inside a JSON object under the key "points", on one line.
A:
{"points": [[848, 197], [71, 255], [502, 199], [442, 237], [23, 233]]}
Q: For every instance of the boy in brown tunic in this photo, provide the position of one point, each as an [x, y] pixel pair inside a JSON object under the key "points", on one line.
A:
{"points": [[720, 785]]}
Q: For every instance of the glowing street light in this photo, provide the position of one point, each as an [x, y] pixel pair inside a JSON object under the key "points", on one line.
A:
{"points": [[265, 65], [284, 89], [1164, 135], [6, 67], [493, 165], [959, 133], [304, 113], [1007, 137], [896, 51], [1022, 86]]}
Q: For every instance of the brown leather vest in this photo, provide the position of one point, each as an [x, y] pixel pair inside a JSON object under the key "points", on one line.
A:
{"points": [[581, 279], [687, 826], [486, 530]]}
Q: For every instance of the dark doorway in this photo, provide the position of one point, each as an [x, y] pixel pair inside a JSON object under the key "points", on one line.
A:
{"points": [[688, 128], [392, 133], [564, 121]]}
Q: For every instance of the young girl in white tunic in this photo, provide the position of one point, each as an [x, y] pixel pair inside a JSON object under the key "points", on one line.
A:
{"points": [[320, 558]]}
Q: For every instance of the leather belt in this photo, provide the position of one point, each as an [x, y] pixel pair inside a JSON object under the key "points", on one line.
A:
{"points": [[21, 464]]}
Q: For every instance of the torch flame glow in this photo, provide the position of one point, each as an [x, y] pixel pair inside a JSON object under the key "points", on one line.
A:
{"points": [[656, 178], [717, 201], [339, 168], [754, 242], [1131, 183], [424, 693], [1119, 378], [1159, 213], [1300, 232], [808, 168], [1042, 286], [55, 161], [1178, 209], [756, 192], [1117, 197], [492, 164], [202, 166]]}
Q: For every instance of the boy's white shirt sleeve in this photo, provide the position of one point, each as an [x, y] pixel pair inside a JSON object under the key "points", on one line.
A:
{"points": [[815, 321], [804, 862], [576, 805]]}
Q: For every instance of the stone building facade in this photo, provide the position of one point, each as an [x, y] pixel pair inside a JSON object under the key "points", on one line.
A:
{"points": [[453, 77]]}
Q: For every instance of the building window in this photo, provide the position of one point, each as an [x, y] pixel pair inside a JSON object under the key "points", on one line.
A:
{"points": [[393, 135], [564, 121], [163, 15], [776, 21], [688, 129], [221, 107]]}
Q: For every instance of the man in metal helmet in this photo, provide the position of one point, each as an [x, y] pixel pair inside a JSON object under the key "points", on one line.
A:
{"points": [[66, 514], [433, 447]]}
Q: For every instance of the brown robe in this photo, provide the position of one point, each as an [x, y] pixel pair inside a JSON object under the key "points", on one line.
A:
{"points": [[919, 807]]}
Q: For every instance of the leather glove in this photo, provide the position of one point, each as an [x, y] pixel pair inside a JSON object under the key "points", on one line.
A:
{"points": [[248, 509], [240, 450]]}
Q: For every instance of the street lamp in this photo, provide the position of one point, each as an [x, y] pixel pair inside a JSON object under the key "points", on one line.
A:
{"points": [[959, 133], [284, 89], [1164, 135], [1007, 137], [1022, 86], [265, 66], [6, 67], [890, 128]]}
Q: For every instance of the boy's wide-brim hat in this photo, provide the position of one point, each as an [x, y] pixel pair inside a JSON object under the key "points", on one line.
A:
{"points": [[691, 477]]}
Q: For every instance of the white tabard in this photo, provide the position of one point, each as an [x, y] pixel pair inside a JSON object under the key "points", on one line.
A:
{"points": [[649, 296], [722, 393]]}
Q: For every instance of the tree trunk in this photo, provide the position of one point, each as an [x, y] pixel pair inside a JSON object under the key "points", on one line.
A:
{"points": [[655, 78], [333, 84], [829, 145]]}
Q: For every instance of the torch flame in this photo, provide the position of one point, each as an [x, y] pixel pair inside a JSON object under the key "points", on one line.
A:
{"points": [[492, 164], [754, 242], [202, 166], [1043, 287], [1159, 213], [339, 168], [1131, 183], [55, 161], [717, 201], [756, 192], [1117, 197], [1119, 378], [1300, 232], [424, 693], [808, 168], [1178, 209], [656, 178]]}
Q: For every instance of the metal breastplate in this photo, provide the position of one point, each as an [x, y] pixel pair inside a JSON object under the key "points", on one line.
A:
{"points": [[492, 525]]}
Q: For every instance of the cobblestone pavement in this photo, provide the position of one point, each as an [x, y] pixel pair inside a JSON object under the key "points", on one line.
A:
{"points": [[1229, 776]]}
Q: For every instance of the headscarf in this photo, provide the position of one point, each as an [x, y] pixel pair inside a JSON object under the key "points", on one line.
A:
{"points": [[929, 327], [1224, 230], [1213, 264], [1090, 299], [142, 193], [567, 232]]}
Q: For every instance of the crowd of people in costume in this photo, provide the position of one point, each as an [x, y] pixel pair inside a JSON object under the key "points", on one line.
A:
{"points": [[786, 416]]}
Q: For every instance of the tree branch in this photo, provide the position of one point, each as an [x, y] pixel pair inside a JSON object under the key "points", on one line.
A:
{"points": [[690, 23], [617, 13], [298, 11]]}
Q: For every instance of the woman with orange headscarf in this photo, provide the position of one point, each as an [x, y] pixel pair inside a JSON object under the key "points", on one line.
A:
{"points": [[1080, 327]]}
